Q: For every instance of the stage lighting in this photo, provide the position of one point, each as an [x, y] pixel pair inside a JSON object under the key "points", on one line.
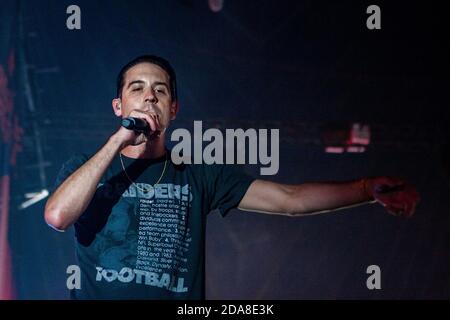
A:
{"points": [[33, 198], [215, 5], [345, 138]]}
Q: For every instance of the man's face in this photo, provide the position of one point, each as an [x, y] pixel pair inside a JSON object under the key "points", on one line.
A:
{"points": [[147, 88]]}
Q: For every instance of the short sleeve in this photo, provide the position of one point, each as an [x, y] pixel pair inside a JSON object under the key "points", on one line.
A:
{"points": [[227, 186], [69, 167]]}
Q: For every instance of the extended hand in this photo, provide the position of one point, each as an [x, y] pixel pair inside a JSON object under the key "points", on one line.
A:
{"points": [[396, 195]]}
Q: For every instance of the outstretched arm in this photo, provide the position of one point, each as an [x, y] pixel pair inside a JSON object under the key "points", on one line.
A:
{"points": [[398, 197]]}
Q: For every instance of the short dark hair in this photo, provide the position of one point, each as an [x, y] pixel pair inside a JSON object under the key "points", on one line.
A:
{"points": [[161, 62]]}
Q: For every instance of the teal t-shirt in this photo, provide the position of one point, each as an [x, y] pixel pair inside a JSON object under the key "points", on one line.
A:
{"points": [[141, 240]]}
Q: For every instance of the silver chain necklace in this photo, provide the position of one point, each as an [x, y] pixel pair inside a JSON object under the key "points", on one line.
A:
{"points": [[134, 184]]}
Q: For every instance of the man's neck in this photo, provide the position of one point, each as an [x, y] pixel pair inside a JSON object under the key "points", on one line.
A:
{"points": [[149, 150]]}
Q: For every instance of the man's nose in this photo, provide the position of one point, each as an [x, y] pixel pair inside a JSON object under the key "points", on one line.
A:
{"points": [[150, 96]]}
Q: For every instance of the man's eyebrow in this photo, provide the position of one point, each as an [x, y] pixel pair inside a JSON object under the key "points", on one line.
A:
{"points": [[135, 82], [157, 83]]}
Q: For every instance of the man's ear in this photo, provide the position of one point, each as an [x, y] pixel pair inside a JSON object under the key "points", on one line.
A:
{"points": [[174, 110], [117, 107]]}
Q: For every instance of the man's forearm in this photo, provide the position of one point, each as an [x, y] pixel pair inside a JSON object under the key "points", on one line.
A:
{"points": [[314, 198], [73, 196]]}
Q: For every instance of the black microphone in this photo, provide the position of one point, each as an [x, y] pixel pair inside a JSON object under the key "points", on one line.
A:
{"points": [[136, 124]]}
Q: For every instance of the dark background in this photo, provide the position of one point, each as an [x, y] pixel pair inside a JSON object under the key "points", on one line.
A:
{"points": [[294, 65]]}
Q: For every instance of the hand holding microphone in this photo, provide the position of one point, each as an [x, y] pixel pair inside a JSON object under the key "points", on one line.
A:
{"points": [[139, 127], [142, 122], [136, 124]]}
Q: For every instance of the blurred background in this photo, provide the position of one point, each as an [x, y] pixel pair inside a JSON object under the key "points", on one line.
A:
{"points": [[348, 101]]}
